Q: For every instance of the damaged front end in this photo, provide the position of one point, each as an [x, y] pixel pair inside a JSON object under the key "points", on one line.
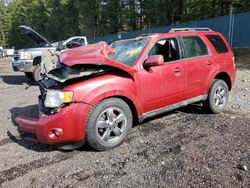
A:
{"points": [[53, 68], [61, 117], [80, 62], [71, 66]]}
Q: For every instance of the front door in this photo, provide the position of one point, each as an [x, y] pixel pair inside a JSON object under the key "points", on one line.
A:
{"points": [[166, 84]]}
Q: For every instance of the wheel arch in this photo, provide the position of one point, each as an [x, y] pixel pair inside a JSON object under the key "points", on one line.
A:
{"points": [[130, 103], [132, 107], [37, 60], [226, 78]]}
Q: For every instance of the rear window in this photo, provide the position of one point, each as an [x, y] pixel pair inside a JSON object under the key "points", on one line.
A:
{"points": [[218, 43]]}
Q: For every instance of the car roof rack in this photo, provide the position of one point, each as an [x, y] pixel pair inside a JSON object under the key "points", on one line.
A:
{"points": [[190, 29]]}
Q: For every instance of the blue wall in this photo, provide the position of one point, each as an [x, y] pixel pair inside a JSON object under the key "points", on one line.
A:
{"points": [[240, 35]]}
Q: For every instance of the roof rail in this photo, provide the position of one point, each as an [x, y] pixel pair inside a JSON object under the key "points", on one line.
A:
{"points": [[146, 34], [190, 29]]}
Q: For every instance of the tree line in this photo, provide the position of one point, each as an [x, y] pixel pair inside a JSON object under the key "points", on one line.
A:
{"points": [[60, 19]]}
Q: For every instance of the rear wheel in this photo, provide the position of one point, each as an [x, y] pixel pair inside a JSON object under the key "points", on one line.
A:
{"points": [[217, 97], [108, 124]]}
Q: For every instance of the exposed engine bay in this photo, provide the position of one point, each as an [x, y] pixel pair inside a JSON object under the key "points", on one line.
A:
{"points": [[53, 68]]}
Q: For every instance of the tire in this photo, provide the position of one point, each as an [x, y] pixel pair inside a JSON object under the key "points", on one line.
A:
{"points": [[37, 73], [115, 121], [29, 75], [217, 97]]}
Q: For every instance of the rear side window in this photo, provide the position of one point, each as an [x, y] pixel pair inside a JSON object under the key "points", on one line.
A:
{"points": [[218, 43], [194, 46]]}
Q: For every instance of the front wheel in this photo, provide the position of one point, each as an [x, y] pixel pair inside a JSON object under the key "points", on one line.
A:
{"points": [[217, 97], [37, 74], [108, 124]]}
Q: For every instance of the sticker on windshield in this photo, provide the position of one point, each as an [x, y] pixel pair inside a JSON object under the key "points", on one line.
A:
{"points": [[133, 52]]}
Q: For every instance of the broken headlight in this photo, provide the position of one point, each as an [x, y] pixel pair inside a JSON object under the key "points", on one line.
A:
{"points": [[55, 98]]}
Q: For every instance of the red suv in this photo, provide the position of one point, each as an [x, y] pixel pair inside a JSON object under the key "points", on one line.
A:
{"points": [[97, 92]]}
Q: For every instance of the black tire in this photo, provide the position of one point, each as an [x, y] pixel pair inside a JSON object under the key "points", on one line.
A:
{"points": [[29, 75], [217, 97], [108, 134], [37, 73]]}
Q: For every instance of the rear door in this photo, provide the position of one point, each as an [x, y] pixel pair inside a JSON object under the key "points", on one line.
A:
{"points": [[200, 63]]}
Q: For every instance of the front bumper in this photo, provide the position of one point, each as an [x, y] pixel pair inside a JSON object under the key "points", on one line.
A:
{"points": [[69, 122], [22, 65]]}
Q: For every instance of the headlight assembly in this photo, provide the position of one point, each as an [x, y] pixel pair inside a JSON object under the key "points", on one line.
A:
{"points": [[25, 55], [55, 98]]}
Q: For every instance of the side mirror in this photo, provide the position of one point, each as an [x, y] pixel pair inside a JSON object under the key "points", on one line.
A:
{"points": [[154, 60]]}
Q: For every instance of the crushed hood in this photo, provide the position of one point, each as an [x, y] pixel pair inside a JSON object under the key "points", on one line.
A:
{"points": [[93, 54], [35, 36], [79, 62]]}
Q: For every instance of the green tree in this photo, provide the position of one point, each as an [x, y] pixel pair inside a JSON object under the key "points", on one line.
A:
{"points": [[90, 17], [111, 20], [3, 25], [59, 19]]}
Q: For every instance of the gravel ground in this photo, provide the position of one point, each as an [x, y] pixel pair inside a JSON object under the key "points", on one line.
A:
{"points": [[183, 148]]}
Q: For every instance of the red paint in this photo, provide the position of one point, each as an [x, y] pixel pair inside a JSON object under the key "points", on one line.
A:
{"points": [[71, 120], [148, 89]]}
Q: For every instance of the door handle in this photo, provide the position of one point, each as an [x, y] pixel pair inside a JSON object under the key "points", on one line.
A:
{"points": [[210, 62], [177, 69]]}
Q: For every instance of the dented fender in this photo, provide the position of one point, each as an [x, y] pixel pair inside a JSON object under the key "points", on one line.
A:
{"points": [[97, 89]]}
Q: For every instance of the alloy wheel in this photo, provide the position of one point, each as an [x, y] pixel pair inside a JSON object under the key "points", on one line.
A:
{"points": [[111, 124]]}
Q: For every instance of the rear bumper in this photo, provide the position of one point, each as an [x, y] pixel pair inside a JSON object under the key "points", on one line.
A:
{"points": [[66, 126]]}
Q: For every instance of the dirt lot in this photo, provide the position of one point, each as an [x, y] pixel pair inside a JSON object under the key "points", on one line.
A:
{"points": [[184, 148]]}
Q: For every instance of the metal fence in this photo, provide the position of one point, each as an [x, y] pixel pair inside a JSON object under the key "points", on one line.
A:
{"points": [[236, 28]]}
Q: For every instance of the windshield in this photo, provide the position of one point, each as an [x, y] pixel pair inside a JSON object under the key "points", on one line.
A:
{"points": [[128, 51]]}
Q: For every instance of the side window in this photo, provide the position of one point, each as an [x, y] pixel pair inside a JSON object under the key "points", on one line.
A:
{"points": [[218, 43], [168, 48], [75, 40], [79, 40], [194, 46]]}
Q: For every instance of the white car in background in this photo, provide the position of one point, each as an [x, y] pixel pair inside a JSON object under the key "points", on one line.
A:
{"points": [[10, 52], [29, 60]]}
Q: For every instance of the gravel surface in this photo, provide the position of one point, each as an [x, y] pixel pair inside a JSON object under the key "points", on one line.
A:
{"points": [[183, 148]]}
